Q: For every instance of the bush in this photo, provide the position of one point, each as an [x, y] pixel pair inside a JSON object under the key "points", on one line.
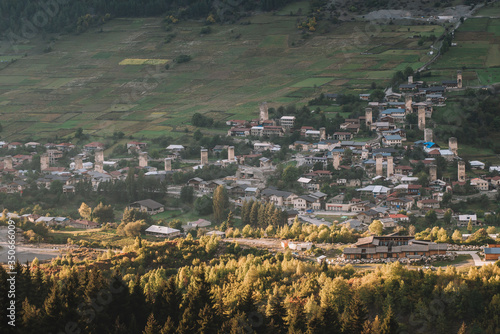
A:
{"points": [[183, 59]]}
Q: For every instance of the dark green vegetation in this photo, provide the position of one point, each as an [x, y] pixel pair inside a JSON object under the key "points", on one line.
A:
{"points": [[77, 15], [186, 286]]}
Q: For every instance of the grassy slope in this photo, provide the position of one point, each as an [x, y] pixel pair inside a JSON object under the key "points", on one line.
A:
{"points": [[81, 84]]}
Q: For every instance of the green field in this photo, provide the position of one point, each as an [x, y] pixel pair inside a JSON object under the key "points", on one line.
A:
{"points": [[477, 51], [233, 69]]}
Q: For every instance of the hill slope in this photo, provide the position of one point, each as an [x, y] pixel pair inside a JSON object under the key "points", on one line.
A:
{"points": [[90, 81]]}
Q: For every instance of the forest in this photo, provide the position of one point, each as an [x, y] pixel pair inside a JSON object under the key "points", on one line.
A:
{"points": [[57, 16], [207, 286]]}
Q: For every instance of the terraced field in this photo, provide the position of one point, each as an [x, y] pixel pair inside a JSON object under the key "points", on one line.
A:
{"points": [[117, 80]]}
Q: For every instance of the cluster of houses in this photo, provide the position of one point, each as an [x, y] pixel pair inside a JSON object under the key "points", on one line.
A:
{"points": [[56, 221]]}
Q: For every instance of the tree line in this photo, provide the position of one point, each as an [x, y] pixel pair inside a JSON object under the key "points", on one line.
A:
{"points": [[26, 17], [182, 286]]}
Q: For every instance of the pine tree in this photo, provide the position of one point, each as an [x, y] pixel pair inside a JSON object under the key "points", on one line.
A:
{"points": [[354, 317], [390, 324], [32, 318], [207, 323], [462, 329], [254, 214], [296, 318], [53, 308], [169, 327], [119, 327], [247, 303], [277, 315], [330, 320], [261, 216], [152, 326], [230, 219], [220, 202]]}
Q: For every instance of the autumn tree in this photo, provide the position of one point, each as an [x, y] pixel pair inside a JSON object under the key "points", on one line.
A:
{"points": [[376, 227], [85, 211]]}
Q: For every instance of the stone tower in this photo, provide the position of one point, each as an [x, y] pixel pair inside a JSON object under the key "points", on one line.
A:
{"points": [[390, 166], [336, 160], [230, 153], [461, 171], [7, 162], [459, 79], [379, 169], [408, 102], [143, 159], [432, 173], [410, 79], [99, 167], [428, 135], [421, 117], [453, 145], [168, 164], [204, 156], [99, 156], [264, 114], [99, 161], [369, 117], [322, 133], [44, 162], [78, 162]]}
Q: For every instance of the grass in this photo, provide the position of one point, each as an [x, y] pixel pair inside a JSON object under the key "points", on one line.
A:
{"points": [[460, 260], [93, 75]]}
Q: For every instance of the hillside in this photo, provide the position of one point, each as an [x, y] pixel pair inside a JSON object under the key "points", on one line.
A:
{"points": [[90, 81]]}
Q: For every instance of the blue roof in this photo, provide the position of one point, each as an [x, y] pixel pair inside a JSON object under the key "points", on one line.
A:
{"points": [[393, 137], [495, 250], [393, 110]]}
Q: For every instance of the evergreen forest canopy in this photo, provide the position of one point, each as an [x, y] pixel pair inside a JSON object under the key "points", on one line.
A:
{"points": [[205, 286], [55, 16]]}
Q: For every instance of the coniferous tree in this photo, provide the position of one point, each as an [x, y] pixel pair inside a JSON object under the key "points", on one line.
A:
{"points": [[390, 324], [296, 318], [119, 327], [53, 308], [152, 326], [353, 317], [32, 318], [277, 315], [169, 327], [207, 324], [220, 203]]}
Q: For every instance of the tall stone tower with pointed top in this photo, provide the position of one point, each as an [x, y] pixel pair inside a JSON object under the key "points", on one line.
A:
{"points": [[459, 79]]}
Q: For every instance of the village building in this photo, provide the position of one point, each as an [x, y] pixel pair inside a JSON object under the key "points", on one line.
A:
{"points": [[147, 205], [162, 231], [382, 247]]}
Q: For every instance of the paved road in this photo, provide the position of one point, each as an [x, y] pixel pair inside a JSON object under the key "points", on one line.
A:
{"points": [[476, 258], [24, 253]]}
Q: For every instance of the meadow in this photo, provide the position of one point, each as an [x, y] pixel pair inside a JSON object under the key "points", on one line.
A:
{"points": [[477, 51], [118, 80]]}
